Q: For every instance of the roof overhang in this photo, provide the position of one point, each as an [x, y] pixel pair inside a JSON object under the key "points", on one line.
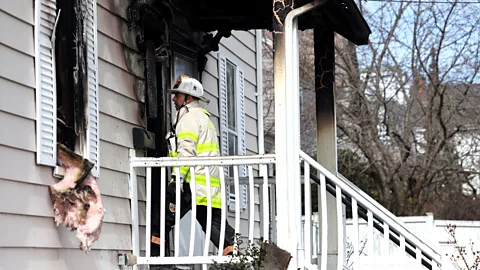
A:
{"points": [[212, 15]]}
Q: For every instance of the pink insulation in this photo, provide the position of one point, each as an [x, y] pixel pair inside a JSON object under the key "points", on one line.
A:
{"points": [[76, 199]]}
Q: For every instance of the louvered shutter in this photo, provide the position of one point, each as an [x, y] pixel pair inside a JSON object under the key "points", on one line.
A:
{"points": [[222, 87], [46, 101], [242, 145], [93, 145]]}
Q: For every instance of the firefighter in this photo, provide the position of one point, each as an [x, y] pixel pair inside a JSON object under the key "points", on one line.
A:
{"points": [[193, 134]]}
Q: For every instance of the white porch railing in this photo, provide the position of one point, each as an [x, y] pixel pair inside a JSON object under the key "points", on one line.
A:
{"points": [[398, 242], [232, 164]]}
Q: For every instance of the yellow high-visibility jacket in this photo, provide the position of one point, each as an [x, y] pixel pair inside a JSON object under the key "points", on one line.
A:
{"points": [[197, 136]]}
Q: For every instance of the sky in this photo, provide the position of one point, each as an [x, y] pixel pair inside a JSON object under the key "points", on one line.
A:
{"points": [[380, 15]]}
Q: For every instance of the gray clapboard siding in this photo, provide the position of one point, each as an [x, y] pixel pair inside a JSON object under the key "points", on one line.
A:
{"points": [[63, 259], [21, 9], [35, 201], [119, 106], [116, 130], [117, 54], [35, 231], [251, 91], [115, 184], [25, 139], [17, 66], [17, 94], [246, 38], [251, 125], [16, 34], [243, 52], [20, 165], [116, 79]]}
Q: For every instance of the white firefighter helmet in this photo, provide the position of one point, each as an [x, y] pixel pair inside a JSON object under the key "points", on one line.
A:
{"points": [[188, 86]]}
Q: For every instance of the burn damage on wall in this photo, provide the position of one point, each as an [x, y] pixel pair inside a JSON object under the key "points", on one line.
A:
{"points": [[162, 30], [76, 199], [71, 63]]}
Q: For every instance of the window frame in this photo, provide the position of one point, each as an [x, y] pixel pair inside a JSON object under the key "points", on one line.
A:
{"points": [[46, 18], [239, 130]]}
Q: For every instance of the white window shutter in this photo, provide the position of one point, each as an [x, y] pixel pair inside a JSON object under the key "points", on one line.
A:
{"points": [[93, 144], [242, 149], [222, 87], [46, 97]]}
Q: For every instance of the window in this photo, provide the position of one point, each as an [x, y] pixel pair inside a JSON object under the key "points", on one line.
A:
{"points": [[66, 79], [232, 121], [182, 64]]}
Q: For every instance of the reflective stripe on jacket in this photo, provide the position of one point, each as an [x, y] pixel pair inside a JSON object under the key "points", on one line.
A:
{"points": [[197, 136]]}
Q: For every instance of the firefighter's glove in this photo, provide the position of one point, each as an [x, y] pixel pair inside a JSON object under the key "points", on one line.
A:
{"points": [[172, 186]]}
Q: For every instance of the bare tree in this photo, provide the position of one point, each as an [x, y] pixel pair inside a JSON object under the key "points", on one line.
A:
{"points": [[410, 99], [407, 104]]}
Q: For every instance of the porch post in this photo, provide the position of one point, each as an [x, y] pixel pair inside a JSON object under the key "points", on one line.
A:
{"points": [[326, 127], [281, 143]]}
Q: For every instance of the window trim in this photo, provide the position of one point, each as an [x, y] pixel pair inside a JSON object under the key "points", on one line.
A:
{"points": [[240, 122], [180, 52]]}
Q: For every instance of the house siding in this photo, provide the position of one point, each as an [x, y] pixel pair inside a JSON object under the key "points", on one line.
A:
{"points": [[28, 236]]}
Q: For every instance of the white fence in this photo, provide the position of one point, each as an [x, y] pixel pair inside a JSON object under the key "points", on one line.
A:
{"points": [[435, 232]]}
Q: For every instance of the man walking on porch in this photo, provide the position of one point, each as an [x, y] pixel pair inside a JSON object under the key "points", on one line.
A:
{"points": [[193, 134]]}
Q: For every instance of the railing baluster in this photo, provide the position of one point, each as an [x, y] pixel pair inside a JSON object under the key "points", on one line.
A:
{"points": [[418, 254], [162, 210], [402, 245], [251, 199], [148, 232], [237, 204], [224, 211], [194, 211], [209, 212], [266, 214], [386, 240], [356, 236], [370, 240], [402, 250], [340, 258], [134, 208], [324, 227], [178, 210], [308, 216]]}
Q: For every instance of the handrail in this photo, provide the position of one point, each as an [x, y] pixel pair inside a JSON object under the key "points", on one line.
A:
{"points": [[375, 208], [394, 236], [202, 161]]}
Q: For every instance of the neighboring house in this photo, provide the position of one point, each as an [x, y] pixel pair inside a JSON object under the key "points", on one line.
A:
{"points": [[36, 89]]}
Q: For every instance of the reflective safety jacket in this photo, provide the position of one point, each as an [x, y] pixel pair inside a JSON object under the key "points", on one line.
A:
{"points": [[196, 135]]}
